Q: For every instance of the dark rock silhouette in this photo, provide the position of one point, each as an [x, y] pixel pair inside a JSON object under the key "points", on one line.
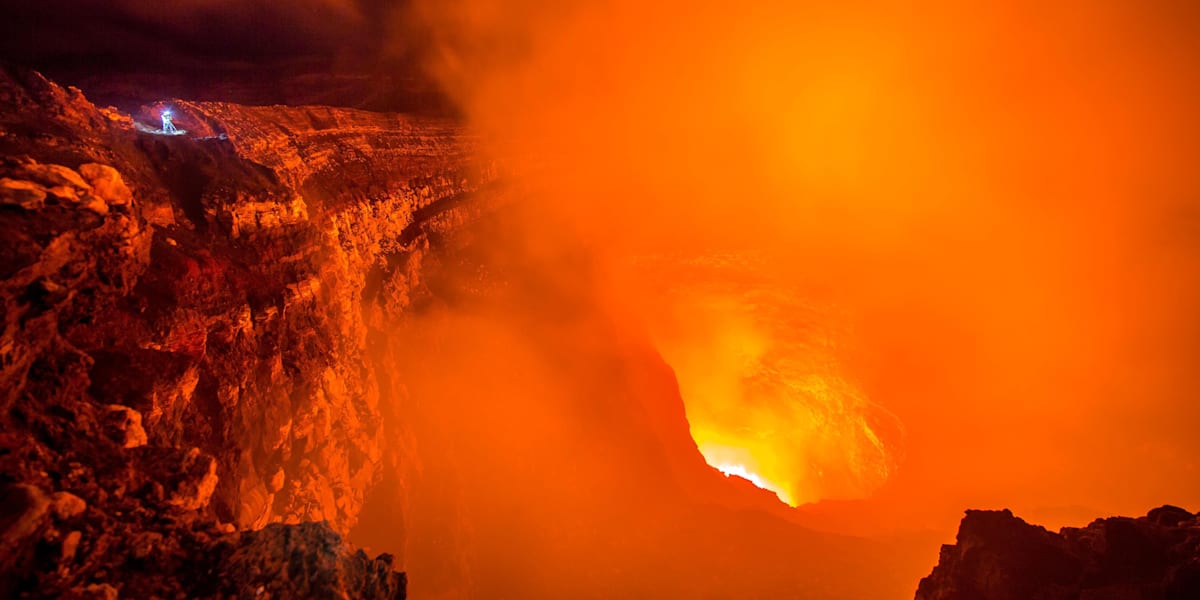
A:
{"points": [[1001, 557]]}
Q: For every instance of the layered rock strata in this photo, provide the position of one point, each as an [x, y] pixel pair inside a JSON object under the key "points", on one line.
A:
{"points": [[182, 331]]}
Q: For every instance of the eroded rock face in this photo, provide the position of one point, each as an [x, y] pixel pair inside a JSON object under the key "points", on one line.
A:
{"points": [[182, 327], [95, 556], [1001, 557], [306, 561]]}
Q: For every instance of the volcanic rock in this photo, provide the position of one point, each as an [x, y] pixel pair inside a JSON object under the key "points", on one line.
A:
{"points": [[67, 505], [307, 561], [22, 514], [1001, 557], [125, 426], [107, 183], [70, 545], [23, 194], [190, 477]]}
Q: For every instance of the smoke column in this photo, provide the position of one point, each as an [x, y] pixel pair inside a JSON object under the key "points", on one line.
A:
{"points": [[1001, 197]]}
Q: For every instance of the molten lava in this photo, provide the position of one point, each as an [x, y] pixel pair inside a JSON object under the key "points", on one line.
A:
{"points": [[759, 368], [715, 455]]}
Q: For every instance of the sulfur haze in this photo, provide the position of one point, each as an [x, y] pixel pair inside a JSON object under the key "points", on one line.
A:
{"points": [[1002, 197], [903, 258]]}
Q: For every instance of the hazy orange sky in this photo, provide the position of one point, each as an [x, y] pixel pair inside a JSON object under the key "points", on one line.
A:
{"points": [[901, 259]]}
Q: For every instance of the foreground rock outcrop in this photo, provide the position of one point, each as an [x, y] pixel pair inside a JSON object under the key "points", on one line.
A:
{"points": [[182, 335], [1000, 557], [64, 548]]}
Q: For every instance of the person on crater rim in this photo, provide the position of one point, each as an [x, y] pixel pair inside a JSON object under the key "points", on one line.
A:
{"points": [[168, 126]]}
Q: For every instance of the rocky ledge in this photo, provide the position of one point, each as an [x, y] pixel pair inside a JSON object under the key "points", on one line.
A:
{"points": [[1001, 557], [185, 410]]}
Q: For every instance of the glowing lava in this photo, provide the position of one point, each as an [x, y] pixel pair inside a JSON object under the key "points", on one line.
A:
{"points": [[766, 395], [714, 456]]}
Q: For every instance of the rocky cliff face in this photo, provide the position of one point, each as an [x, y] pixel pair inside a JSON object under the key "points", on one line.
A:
{"points": [[1001, 557], [181, 352]]}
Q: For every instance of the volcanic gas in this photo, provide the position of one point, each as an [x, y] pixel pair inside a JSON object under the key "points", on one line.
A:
{"points": [[598, 299]]}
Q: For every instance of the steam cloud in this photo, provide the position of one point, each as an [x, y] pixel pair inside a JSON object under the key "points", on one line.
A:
{"points": [[1002, 197]]}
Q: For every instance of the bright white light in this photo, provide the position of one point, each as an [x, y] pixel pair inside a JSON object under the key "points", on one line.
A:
{"points": [[168, 127], [741, 471]]}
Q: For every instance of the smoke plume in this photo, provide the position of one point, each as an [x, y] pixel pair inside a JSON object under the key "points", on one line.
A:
{"points": [[1000, 199]]}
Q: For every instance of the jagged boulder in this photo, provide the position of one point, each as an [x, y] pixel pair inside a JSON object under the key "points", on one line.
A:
{"points": [[999, 556], [306, 561]]}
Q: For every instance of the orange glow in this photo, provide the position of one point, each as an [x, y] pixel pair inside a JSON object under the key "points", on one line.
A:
{"points": [[715, 455], [993, 194], [902, 260], [762, 380]]}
